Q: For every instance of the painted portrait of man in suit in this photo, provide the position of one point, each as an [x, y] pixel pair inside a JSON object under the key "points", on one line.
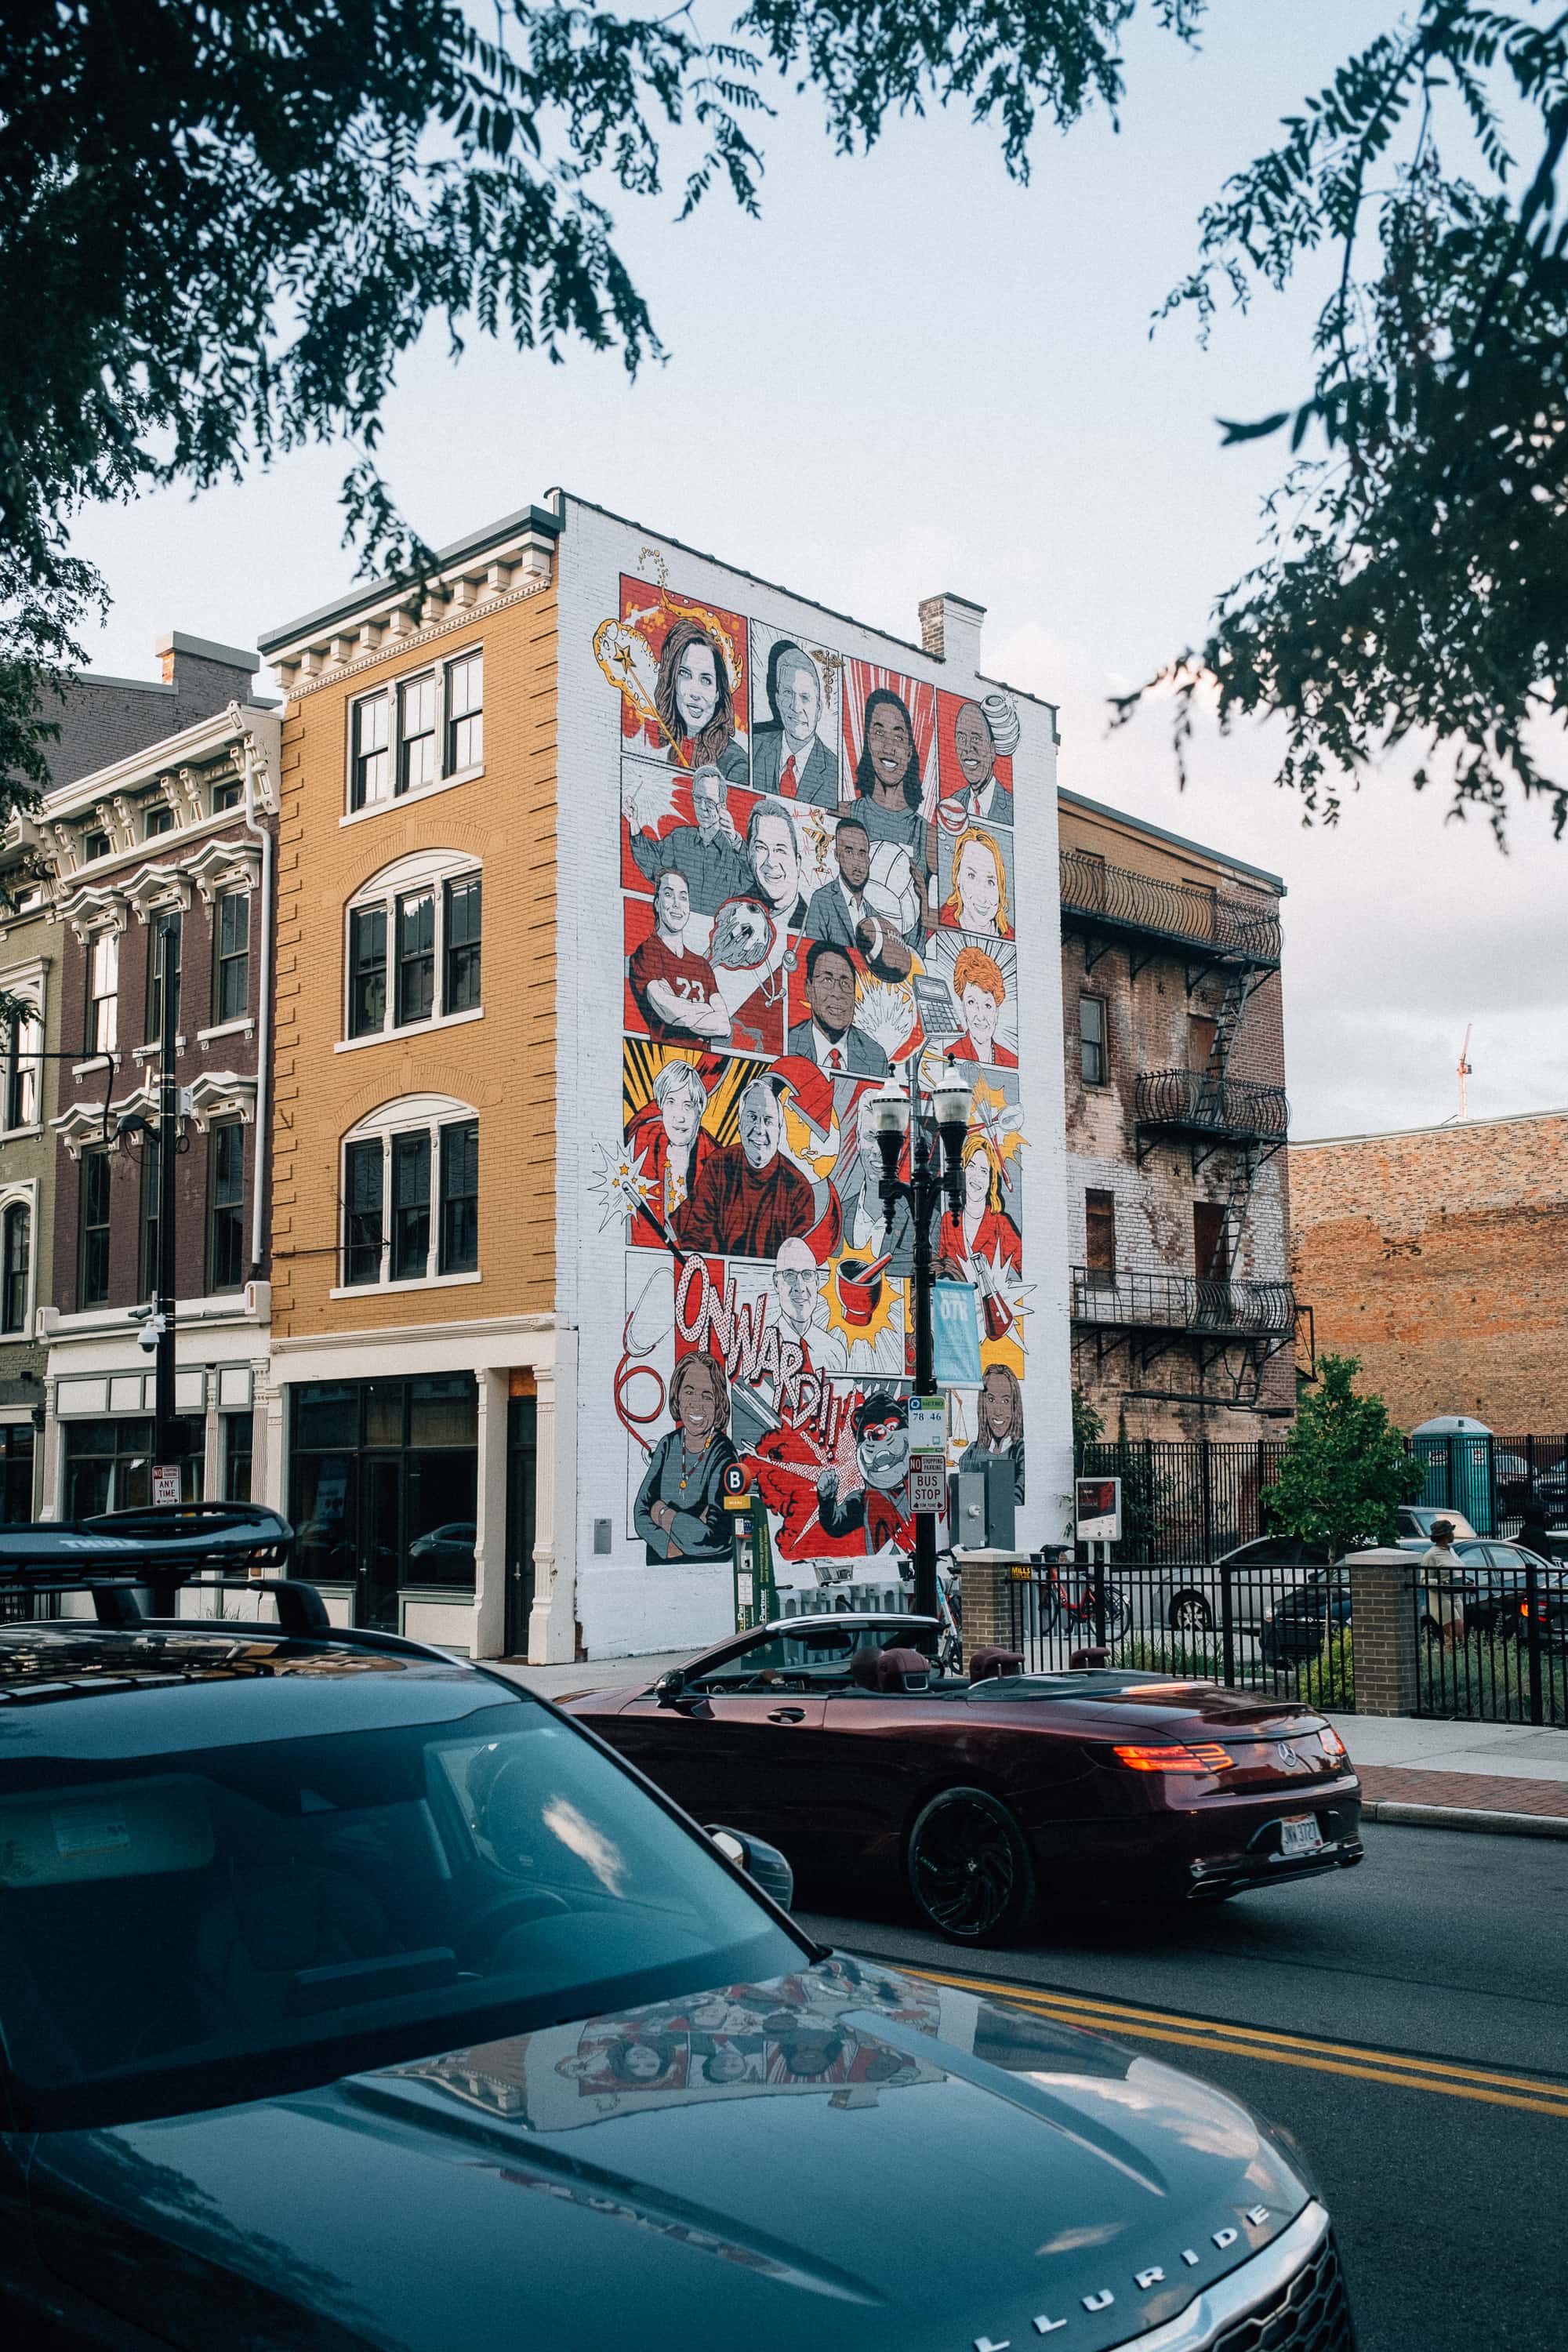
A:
{"points": [[838, 910], [830, 1038], [985, 798], [789, 756]]}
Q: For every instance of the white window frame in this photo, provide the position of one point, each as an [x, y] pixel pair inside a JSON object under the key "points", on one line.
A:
{"points": [[392, 689], [423, 869], [26, 1195], [24, 982], [411, 1115], [94, 941]]}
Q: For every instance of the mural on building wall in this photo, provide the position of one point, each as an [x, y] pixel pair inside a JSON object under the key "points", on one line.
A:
{"points": [[817, 891]]}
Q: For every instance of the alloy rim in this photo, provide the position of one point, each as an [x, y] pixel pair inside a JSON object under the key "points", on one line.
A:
{"points": [[964, 1869]]}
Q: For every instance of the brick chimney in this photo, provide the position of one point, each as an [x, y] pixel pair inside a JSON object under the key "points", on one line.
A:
{"points": [[950, 630]]}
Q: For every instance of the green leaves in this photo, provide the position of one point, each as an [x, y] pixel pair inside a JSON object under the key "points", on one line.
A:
{"points": [[1414, 578], [1344, 1469]]}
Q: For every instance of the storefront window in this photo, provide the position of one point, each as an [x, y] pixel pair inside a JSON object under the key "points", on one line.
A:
{"points": [[238, 1440], [384, 1487], [16, 1472], [109, 1465]]}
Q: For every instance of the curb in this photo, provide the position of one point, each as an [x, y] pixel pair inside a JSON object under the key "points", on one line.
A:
{"points": [[1465, 1817]]}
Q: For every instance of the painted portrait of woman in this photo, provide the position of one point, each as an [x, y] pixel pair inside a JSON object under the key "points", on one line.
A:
{"points": [[672, 1147], [887, 785], [978, 899], [694, 696], [680, 1511], [1000, 1432], [983, 1227]]}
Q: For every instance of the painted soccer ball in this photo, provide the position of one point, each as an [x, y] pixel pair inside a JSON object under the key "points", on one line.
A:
{"points": [[892, 889]]}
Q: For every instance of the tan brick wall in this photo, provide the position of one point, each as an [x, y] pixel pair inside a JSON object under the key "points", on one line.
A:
{"points": [[1440, 1258], [505, 1064]]}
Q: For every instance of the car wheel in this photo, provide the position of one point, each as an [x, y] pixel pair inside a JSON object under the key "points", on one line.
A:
{"points": [[1190, 1613], [968, 1868]]}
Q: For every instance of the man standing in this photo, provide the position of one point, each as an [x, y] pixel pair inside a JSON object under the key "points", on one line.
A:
{"points": [[1443, 1579], [985, 797], [830, 1038], [708, 855], [749, 1199], [838, 910], [790, 757], [674, 988]]}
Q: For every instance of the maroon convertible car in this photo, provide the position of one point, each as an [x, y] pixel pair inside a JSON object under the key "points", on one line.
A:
{"points": [[837, 1739]]}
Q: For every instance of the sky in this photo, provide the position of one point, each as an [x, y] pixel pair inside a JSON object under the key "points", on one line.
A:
{"points": [[910, 374]]}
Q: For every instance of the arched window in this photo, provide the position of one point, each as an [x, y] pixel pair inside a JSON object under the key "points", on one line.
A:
{"points": [[412, 945], [15, 1267], [411, 1194]]}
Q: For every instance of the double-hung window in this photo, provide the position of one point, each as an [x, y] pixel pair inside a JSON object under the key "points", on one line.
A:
{"points": [[166, 928], [15, 1267], [421, 731], [411, 1187], [413, 944], [226, 1207], [231, 956], [103, 992], [23, 1047], [1092, 1040], [92, 1262]]}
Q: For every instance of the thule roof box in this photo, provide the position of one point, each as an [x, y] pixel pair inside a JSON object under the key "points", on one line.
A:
{"points": [[163, 1547]]}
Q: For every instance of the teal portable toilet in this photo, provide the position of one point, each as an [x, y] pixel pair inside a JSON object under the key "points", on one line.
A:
{"points": [[1457, 1454]]}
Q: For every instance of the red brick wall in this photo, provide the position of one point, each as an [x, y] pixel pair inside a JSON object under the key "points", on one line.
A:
{"points": [[1440, 1258]]}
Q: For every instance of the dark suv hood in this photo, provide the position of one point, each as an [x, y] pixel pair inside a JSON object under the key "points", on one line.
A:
{"points": [[844, 2158]]}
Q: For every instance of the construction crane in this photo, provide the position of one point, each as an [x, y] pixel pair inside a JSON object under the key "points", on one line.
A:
{"points": [[1464, 1069]]}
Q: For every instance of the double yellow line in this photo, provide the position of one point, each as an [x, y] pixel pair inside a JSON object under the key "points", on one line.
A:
{"points": [[1123, 2022]]}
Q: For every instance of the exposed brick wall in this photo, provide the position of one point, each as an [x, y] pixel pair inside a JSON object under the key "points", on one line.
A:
{"points": [[1440, 1258], [234, 1051], [1147, 1017], [105, 720], [1383, 1614]]}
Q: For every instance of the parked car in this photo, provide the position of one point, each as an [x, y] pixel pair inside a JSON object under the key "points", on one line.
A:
{"points": [[835, 1740], [351, 1995], [447, 1552], [1491, 1584], [1189, 1599], [1416, 1521]]}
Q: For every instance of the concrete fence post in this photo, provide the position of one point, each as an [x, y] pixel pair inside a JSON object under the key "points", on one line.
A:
{"points": [[1384, 1632]]}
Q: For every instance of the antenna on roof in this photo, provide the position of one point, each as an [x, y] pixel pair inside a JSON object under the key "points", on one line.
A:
{"points": [[1464, 1069]]}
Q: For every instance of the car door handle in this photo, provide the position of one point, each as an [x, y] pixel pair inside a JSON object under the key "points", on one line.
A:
{"points": [[788, 1714]]}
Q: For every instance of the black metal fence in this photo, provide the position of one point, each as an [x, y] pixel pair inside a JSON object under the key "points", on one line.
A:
{"points": [[1195, 1501], [1280, 1630], [1492, 1644], [1186, 1502]]}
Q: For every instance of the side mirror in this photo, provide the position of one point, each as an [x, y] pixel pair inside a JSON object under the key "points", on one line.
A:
{"points": [[760, 1860], [668, 1687]]}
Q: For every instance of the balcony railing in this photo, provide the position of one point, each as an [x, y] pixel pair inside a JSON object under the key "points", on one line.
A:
{"points": [[1177, 1302], [1198, 1105], [1233, 928]]}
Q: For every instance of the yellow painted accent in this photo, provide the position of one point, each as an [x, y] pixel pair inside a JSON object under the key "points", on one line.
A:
{"points": [[1393, 2069]]}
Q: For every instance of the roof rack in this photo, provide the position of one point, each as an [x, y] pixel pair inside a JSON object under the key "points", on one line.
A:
{"points": [[166, 1546]]}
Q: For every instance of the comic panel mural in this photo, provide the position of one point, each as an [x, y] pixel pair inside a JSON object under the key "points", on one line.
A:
{"points": [[975, 743], [795, 730], [813, 910]]}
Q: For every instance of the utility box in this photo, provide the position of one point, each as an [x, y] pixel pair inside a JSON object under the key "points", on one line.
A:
{"points": [[982, 1507]]}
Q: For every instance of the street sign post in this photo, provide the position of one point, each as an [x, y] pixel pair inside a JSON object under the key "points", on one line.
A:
{"points": [[166, 1482], [928, 1483]]}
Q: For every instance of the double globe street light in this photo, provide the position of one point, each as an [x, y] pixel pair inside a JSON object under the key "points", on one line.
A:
{"points": [[935, 1177]]}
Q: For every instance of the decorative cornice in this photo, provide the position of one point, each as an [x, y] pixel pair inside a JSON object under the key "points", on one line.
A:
{"points": [[157, 889], [224, 864], [221, 1094], [92, 910], [321, 670]]}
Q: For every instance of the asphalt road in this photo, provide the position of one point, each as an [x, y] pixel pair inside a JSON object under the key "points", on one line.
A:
{"points": [[1446, 2174]]}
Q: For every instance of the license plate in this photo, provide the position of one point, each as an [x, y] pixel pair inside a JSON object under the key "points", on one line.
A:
{"points": [[1302, 1836]]}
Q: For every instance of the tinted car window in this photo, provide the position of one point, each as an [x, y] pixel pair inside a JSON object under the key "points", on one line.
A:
{"points": [[818, 1654], [181, 1930]]}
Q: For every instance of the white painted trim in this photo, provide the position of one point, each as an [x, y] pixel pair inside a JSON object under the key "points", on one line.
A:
{"points": [[409, 1029], [411, 800], [420, 1282], [243, 1025]]}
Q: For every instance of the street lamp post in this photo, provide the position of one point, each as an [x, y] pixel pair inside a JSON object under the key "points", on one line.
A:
{"points": [[935, 1176]]}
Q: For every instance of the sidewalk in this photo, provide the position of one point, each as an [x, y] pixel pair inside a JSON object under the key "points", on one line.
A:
{"points": [[587, 1674], [1507, 1778]]}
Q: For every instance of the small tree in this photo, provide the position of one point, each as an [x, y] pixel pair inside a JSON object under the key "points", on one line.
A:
{"points": [[1346, 1470]]}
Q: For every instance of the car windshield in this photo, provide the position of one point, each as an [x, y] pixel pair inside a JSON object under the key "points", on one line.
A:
{"points": [[813, 1657], [188, 1928]]}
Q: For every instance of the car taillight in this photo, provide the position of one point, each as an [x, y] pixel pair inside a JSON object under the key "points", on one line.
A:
{"points": [[1330, 1743], [1173, 1760]]}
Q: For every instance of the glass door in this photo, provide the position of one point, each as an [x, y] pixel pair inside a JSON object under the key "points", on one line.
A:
{"points": [[381, 1541]]}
